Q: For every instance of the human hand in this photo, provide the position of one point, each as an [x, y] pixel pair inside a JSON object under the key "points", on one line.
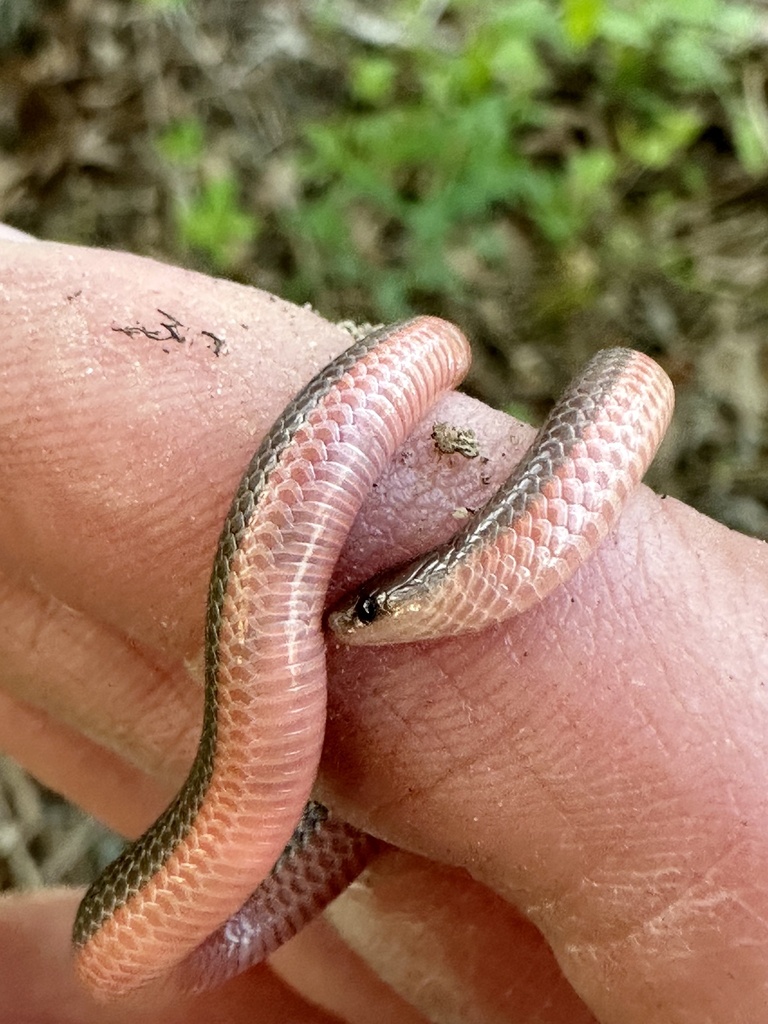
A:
{"points": [[597, 762]]}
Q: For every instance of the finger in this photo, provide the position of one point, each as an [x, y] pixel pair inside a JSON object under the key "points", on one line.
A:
{"points": [[477, 959], [9, 234], [60, 757], [318, 964], [38, 982], [60, 663], [598, 762]]}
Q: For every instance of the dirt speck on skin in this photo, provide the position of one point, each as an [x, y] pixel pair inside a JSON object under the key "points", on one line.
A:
{"points": [[454, 440]]}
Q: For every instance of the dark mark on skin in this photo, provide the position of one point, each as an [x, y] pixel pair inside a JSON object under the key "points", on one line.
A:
{"points": [[459, 440], [172, 329], [172, 326], [218, 346]]}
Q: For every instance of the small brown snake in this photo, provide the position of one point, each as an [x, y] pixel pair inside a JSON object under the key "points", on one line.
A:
{"points": [[226, 875]]}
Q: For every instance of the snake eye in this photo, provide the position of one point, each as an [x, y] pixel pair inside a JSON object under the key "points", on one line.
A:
{"points": [[367, 609]]}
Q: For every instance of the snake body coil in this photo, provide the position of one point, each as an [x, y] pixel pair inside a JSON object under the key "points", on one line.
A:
{"points": [[184, 892]]}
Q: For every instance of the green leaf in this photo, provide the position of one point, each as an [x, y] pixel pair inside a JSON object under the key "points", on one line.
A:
{"points": [[214, 224], [581, 19], [750, 139], [372, 80], [589, 175], [694, 63], [658, 144], [182, 142]]}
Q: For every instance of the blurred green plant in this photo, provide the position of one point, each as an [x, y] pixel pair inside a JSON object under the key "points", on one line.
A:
{"points": [[551, 113], [163, 6], [213, 223], [208, 217], [183, 142]]}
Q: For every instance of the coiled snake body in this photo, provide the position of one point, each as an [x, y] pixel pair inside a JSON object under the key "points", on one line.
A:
{"points": [[184, 892]]}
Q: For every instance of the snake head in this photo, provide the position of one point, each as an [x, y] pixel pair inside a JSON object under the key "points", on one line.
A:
{"points": [[389, 609], [352, 619]]}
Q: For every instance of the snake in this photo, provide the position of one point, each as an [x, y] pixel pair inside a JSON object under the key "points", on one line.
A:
{"points": [[243, 857]]}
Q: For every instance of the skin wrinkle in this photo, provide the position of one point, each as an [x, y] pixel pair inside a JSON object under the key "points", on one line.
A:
{"points": [[633, 886], [638, 795], [443, 783], [693, 898], [46, 635], [449, 794], [700, 893], [688, 896], [60, 756]]}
